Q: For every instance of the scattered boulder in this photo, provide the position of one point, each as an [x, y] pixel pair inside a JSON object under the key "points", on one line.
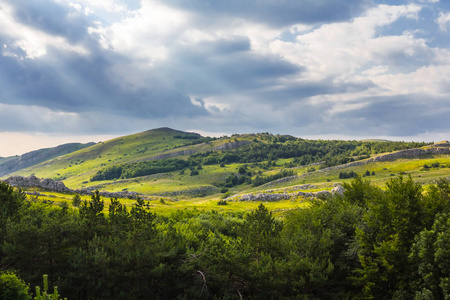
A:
{"points": [[338, 190]]}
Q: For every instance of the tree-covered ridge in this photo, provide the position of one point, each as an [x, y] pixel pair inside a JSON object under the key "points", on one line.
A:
{"points": [[266, 148], [368, 243], [331, 152]]}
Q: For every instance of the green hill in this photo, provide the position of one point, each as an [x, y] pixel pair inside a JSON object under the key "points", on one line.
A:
{"points": [[76, 168], [178, 164]]}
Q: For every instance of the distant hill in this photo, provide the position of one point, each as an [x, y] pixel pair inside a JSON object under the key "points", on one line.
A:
{"points": [[160, 143], [165, 161], [13, 164]]}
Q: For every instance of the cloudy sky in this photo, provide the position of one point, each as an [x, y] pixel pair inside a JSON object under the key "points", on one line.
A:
{"points": [[89, 70]]}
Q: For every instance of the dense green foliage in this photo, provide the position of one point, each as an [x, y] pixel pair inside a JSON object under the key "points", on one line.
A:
{"points": [[305, 151], [350, 174], [12, 287], [142, 168], [187, 136], [368, 243]]}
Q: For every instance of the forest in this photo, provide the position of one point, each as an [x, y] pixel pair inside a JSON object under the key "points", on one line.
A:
{"points": [[368, 243]]}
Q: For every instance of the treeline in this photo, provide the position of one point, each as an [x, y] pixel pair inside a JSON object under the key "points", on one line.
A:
{"points": [[304, 151], [188, 136], [138, 169], [193, 138], [368, 243]]}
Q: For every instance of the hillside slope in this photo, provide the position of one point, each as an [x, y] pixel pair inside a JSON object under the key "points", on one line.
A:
{"points": [[170, 162], [76, 168], [13, 164]]}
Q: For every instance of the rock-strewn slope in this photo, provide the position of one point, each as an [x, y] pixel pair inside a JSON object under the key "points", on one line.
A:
{"points": [[58, 186]]}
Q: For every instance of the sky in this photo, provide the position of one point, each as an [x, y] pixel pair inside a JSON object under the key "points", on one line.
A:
{"points": [[91, 70]]}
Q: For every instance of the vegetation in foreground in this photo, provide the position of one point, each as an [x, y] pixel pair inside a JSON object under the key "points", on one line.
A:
{"points": [[368, 243]]}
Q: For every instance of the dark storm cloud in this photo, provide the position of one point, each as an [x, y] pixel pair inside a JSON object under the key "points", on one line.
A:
{"points": [[275, 12], [84, 83], [297, 91], [245, 87], [225, 66]]}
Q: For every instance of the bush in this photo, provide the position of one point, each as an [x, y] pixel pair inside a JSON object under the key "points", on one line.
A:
{"points": [[76, 200], [242, 170], [12, 287], [435, 165], [344, 175]]}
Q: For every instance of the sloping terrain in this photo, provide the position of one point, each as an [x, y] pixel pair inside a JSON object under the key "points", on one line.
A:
{"points": [[76, 168], [13, 164], [172, 163]]}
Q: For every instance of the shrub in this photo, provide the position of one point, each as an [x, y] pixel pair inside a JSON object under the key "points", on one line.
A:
{"points": [[12, 287], [76, 200], [351, 174], [435, 165]]}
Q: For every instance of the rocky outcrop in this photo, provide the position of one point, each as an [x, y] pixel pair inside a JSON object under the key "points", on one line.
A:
{"points": [[338, 190], [197, 192], [59, 187], [273, 197], [33, 181], [261, 197]]}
